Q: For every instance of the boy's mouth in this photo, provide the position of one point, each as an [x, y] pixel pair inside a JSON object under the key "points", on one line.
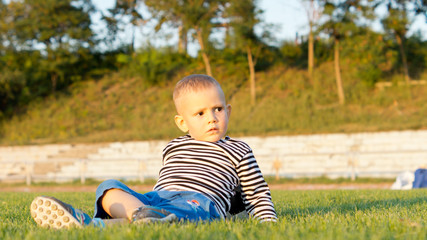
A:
{"points": [[213, 130]]}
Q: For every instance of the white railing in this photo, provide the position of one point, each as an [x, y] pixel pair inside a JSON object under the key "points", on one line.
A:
{"points": [[353, 164], [29, 176]]}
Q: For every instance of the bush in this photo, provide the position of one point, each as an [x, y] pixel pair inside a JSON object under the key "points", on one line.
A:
{"points": [[416, 55], [292, 53], [12, 89], [156, 66], [370, 55]]}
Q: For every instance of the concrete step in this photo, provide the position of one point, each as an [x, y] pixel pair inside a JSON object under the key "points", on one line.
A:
{"points": [[78, 151], [30, 153]]}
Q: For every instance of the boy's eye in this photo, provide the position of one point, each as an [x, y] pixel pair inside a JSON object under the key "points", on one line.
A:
{"points": [[199, 114], [218, 109]]}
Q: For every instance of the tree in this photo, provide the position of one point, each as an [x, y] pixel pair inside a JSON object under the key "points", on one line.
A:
{"points": [[313, 11], [197, 15], [421, 7], [397, 23], [162, 14], [60, 27], [124, 12], [10, 35], [244, 16], [342, 18]]}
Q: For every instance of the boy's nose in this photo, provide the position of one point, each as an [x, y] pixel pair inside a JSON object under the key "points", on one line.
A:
{"points": [[212, 118]]}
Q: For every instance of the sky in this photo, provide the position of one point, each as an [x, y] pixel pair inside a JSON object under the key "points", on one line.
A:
{"points": [[288, 16]]}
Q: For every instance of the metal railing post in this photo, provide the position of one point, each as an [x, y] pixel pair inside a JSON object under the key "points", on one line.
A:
{"points": [[82, 171], [28, 172], [353, 155], [141, 168]]}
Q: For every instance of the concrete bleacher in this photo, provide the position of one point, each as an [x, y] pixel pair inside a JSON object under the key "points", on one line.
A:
{"points": [[140, 156], [24, 153], [15, 160], [381, 154], [127, 160]]}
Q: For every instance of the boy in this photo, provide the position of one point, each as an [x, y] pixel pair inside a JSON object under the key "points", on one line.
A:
{"points": [[198, 179]]}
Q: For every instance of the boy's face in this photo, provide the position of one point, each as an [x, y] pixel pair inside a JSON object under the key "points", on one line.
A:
{"points": [[203, 113]]}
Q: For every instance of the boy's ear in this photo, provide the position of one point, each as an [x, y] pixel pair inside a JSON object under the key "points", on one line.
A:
{"points": [[180, 122], [228, 110]]}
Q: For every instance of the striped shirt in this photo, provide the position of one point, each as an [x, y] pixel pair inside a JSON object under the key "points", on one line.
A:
{"points": [[215, 169]]}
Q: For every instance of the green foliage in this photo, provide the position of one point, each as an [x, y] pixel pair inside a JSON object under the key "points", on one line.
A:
{"points": [[397, 21], [154, 66], [12, 88], [45, 46], [292, 53], [295, 54], [371, 56], [332, 214], [231, 61], [341, 17], [58, 22], [244, 16], [417, 55], [266, 57], [198, 16], [123, 14]]}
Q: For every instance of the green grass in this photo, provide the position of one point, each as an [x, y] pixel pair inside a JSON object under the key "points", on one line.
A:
{"points": [[152, 181], [327, 180], [332, 214]]}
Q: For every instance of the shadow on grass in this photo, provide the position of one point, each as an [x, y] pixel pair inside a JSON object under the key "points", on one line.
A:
{"points": [[357, 205]]}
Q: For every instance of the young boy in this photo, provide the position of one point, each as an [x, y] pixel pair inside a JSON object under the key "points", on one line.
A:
{"points": [[198, 179]]}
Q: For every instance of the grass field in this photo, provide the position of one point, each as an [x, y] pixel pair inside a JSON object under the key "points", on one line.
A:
{"points": [[332, 214]]}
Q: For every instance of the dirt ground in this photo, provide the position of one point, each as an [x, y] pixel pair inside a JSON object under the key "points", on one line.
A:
{"points": [[145, 188]]}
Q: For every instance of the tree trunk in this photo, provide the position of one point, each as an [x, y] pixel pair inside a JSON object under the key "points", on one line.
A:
{"points": [[310, 52], [251, 74], [312, 17], [52, 67], [132, 44], [203, 50], [182, 41], [403, 56], [54, 79], [338, 72]]}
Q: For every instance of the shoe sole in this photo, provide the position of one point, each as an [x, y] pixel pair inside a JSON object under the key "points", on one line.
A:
{"points": [[168, 219], [49, 213]]}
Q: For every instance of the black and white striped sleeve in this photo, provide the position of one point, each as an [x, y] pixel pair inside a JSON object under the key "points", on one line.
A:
{"points": [[255, 191]]}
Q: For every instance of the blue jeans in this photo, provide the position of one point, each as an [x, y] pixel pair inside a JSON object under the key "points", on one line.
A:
{"points": [[186, 205]]}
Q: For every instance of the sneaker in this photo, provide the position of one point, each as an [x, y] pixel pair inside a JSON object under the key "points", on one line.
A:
{"points": [[150, 214], [50, 212]]}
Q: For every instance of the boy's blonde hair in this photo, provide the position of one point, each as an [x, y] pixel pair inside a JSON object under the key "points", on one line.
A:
{"points": [[193, 83]]}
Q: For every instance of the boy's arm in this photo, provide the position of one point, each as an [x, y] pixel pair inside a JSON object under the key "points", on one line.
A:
{"points": [[236, 202], [255, 191]]}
